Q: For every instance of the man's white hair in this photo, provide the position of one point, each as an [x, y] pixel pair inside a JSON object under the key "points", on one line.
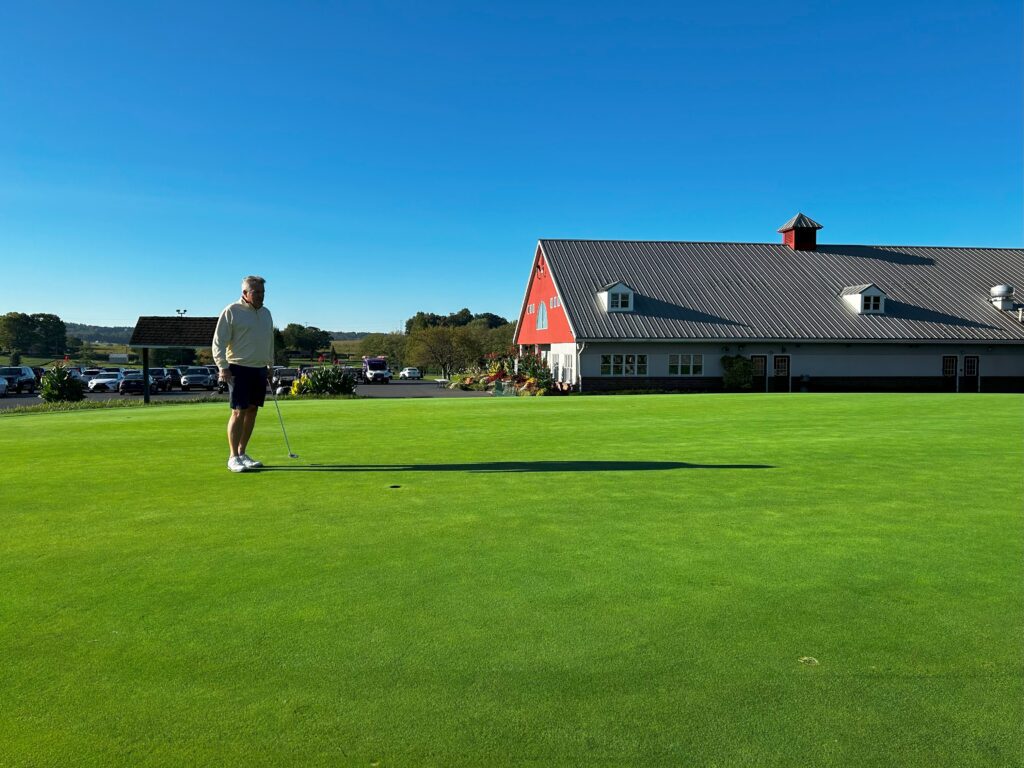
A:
{"points": [[252, 281]]}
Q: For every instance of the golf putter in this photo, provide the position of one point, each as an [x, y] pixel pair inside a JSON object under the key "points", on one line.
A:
{"points": [[283, 430]]}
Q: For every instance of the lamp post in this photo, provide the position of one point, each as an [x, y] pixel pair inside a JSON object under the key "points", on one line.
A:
{"points": [[181, 312]]}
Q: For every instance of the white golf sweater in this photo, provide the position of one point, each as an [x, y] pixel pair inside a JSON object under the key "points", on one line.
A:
{"points": [[244, 336]]}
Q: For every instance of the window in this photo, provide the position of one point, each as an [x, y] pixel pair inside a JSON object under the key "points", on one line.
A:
{"points": [[971, 365], [781, 365], [554, 302], [554, 367], [686, 365], [542, 316], [759, 362], [529, 309], [623, 365], [872, 304], [618, 300], [949, 365]]}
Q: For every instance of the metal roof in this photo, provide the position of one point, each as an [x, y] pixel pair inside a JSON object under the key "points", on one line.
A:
{"points": [[853, 290], [733, 291], [157, 332], [800, 222]]}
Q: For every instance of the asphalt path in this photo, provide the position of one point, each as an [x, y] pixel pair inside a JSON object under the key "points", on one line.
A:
{"points": [[426, 388]]}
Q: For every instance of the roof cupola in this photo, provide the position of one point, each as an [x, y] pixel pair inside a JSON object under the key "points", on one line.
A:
{"points": [[801, 233]]}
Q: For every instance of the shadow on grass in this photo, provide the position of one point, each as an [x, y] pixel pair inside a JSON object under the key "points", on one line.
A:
{"points": [[514, 466]]}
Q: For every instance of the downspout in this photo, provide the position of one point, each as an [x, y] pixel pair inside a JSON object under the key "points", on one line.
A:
{"points": [[579, 363]]}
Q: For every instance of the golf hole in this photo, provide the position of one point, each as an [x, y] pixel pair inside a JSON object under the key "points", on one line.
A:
{"points": [[394, 486]]}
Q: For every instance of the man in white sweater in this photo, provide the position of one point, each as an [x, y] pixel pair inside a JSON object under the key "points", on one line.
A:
{"points": [[243, 349]]}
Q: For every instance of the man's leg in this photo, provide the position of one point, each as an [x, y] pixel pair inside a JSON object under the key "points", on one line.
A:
{"points": [[236, 429], [248, 419]]}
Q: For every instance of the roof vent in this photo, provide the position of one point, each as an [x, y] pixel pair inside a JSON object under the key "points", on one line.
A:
{"points": [[1001, 297], [801, 233]]}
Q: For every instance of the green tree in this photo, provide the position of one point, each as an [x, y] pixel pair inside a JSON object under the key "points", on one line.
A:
{"points": [[443, 347], [17, 332], [49, 334], [393, 346]]}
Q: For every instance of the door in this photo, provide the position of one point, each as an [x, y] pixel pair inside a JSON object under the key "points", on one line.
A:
{"points": [[780, 373], [759, 363], [949, 373], [971, 379]]}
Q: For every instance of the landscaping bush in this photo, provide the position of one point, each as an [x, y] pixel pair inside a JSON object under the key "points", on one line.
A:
{"points": [[328, 380], [58, 385], [737, 373]]}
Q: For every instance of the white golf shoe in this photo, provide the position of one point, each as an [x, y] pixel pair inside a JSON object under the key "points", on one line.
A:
{"points": [[249, 462], [235, 464]]}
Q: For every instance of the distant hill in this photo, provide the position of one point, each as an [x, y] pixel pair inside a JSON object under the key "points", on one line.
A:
{"points": [[103, 333]]}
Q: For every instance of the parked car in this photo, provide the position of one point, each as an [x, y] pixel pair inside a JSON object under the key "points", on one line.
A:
{"points": [[38, 374], [196, 377], [283, 377], [132, 384], [106, 381], [162, 377], [114, 369], [19, 377], [173, 378], [89, 373], [3, 387], [410, 373]]}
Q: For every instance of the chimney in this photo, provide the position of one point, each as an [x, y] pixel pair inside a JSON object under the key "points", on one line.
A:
{"points": [[800, 233]]}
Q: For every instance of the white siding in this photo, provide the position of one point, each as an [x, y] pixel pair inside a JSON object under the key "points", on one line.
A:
{"points": [[819, 359]]}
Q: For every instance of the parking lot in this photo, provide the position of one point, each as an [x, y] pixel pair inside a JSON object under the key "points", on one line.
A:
{"points": [[425, 388]]}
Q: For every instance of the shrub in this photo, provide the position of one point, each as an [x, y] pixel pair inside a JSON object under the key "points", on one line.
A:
{"points": [[327, 380], [737, 373], [15, 357], [59, 386]]}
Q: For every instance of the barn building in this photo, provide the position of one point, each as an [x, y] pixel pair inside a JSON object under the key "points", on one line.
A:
{"points": [[637, 315]]}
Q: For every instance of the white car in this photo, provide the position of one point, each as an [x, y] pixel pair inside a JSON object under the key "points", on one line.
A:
{"points": [[410, 373], [107, 381]]}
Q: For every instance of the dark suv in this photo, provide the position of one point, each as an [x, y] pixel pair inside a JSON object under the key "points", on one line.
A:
{"points": [[19, 377], [161, 379]]}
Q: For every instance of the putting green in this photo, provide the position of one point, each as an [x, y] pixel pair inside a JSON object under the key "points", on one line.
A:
{"points": [[723, 580]]}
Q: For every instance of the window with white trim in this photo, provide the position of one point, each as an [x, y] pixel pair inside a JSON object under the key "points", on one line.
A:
{"points": [[623, 365], [529, 309], [554, 302], [686, 365], [618, 300], [542, 316], [872, 304]]}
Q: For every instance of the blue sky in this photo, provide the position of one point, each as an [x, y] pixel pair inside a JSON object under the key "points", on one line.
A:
{"points": [[376, 159]]}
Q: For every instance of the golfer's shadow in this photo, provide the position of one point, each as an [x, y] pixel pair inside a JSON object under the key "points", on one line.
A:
{"points": [[515, 466]]}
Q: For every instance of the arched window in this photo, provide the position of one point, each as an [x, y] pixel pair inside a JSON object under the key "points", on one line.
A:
{"points": [[542, 316]]}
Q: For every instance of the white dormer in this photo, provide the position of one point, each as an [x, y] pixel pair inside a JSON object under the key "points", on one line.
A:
{"points": [[865, 299], [616, 297]]}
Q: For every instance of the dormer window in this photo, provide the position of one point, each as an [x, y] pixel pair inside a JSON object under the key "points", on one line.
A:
{"points": [[866, 299], [618, 300], [616, 297]]}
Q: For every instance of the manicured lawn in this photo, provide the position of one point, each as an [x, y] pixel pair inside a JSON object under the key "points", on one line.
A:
{"points": [[617, 581]]}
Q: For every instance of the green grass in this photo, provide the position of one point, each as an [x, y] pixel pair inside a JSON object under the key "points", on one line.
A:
{"points": [[615, 581]]}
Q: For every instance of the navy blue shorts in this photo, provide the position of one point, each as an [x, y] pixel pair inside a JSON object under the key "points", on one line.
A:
{"points": [[248, 386]]}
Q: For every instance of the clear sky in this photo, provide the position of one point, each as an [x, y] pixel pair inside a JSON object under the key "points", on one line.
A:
{"points": [[374, 159]]}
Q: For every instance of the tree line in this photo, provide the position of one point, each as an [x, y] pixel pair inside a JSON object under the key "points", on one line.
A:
{"points": [[39, 334]]}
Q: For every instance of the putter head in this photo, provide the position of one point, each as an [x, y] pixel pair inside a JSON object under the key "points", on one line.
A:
{"points": [[293, 455]]}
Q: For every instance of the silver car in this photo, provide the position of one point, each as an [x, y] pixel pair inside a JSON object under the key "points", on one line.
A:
{"points": [[107, 381], [198, 377]]}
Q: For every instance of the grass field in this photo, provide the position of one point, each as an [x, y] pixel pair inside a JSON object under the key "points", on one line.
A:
{"points": [[617, 581]]}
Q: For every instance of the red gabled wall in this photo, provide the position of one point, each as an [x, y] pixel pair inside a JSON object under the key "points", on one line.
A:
{"points": [[542, 289]]}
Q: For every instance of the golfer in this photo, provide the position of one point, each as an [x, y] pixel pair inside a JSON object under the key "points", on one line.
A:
{"points": [[243, 349]]}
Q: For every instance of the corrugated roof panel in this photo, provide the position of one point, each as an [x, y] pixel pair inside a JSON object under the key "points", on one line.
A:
{"points": [[769, 291]]}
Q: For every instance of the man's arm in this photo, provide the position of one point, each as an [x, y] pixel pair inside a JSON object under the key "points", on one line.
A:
{"points": [[219, 345]]}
